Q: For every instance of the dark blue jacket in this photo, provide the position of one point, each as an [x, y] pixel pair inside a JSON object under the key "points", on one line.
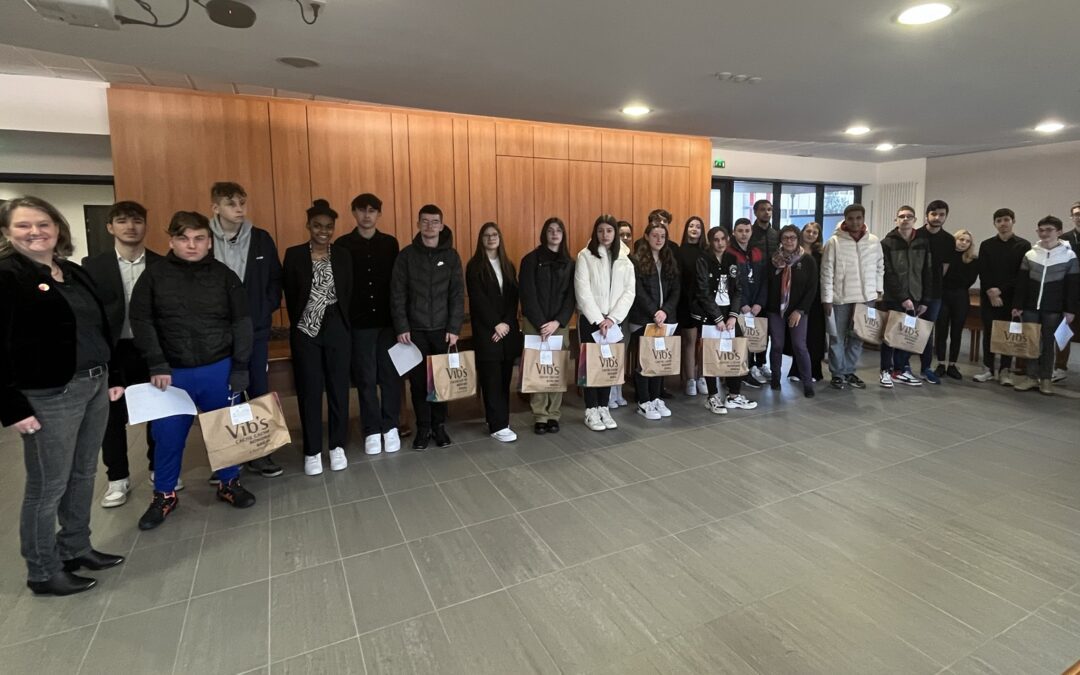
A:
{"points": [[262, 279]]}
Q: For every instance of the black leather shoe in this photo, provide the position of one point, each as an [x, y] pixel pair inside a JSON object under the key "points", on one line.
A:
{"points": [[423, 437], [94, 560], [62, 583], [553, 426], [442, 439], [540, 428]]}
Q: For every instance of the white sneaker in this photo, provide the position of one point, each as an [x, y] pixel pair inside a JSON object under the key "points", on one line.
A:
{"points": [[648, 411], [338, 460], [766, 371], [372, 444], [886, 379], [391, 441], [504, 435], [606, 419], [715, 404], [619, 398], [1059, 375], [691, 387], [739, 401], [661, 407], [758, 375], [909, 378], [702, 387], [985, 376], [313, 464], [592, 419], [179, 482], [612, 401], [116, 494], [1005, 377]]}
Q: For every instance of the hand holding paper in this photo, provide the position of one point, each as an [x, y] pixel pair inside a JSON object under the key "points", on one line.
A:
{"points": [[145, 403]]}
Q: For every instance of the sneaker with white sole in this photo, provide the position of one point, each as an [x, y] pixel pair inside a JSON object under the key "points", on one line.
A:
{"points": [[618, 397], [691, 387], [985, 376], [648, 410], [179, 482], [391, 441], [661, 407], [606, 419], [715, 404], [907, 377], [1059, 375], [739, 401], [759, 375], [116, 494], [592, 419], [504, 435], [886, 379], [702, 388], [313, 464], [612, 402], [372, 444], [1005, 377], [766, 372], [338, 460]]}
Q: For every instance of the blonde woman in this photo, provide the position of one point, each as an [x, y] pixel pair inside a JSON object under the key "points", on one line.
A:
{"points": [[955, 302]]}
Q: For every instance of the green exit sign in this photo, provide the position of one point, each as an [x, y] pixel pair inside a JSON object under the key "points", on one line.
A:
{"points": [[719, 164]]}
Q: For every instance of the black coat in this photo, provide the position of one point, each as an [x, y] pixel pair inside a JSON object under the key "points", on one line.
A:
{"points": [[262, 279], [710, 273], [547, 287], [804, 286], [427, 290], [688, 256], [37, 332], [188, 314], [654, 292], [489, 306], [296, 281], [908, 271], [104, 269]]}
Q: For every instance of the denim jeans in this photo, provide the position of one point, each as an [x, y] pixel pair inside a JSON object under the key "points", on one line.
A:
{"points": [[61, 460], [846, 348], [926, 359], [1042, 368], [895, 360]]}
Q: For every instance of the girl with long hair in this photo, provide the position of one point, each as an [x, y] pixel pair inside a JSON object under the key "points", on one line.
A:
{"points": [[656, 299], [693, 246], [955, 303]]}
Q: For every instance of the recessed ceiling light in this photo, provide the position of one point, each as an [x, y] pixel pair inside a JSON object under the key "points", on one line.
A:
{"points": [[636, 110], [921, 14], [298, 62], [1050, 127], [858, 130], [885, 147]]}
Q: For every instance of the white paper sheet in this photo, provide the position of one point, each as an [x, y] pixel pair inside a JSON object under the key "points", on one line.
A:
{"points": [[614, 336], [1063, 334], [145, 402], [710, 332], [554, 342], [405, 357]]}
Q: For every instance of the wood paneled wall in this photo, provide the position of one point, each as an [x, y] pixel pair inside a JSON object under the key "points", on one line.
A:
{"points": [[170, 146]]}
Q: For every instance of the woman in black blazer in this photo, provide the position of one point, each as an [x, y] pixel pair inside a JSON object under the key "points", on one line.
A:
{"points": [[55, 345], [493, 300], [318, 290]]}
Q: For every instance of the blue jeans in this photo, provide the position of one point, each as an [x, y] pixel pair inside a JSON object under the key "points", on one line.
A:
{"points": [[931, 314], [208, 387], [894, 359], [846, 348]]}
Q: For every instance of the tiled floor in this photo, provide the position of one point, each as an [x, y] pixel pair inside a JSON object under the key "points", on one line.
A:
{"points": [[910, 531]]}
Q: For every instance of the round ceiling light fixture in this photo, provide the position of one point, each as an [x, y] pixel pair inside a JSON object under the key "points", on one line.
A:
{"points": [[230, 13], [1050, 127], [636, 110], [885, 147], [857, 130], [298, 62], [923, 14]]}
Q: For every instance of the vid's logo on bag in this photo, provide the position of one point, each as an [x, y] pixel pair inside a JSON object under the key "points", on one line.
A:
{"points": [[662, 354], [249, 429], [728, 357], [457, 374], [547, 370], [1016, 338], [609, 362]]}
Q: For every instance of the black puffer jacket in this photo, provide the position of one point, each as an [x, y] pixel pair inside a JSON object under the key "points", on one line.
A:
{"points": [[711, 273], [547, 287], [427, 290], [188, 314], [653, 292], [908, 275]]}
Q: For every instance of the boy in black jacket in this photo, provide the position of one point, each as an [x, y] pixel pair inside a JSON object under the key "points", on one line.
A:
{"points": [[751, 260], [999, 259], [908, 283]]}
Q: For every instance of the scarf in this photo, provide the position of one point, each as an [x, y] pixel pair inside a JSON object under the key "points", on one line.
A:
{"points": [[856, 235], [232, 251], [785, 261]]}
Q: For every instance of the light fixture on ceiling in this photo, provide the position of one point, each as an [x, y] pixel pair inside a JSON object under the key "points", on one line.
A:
{"points": [[230, 13], [1050, 127], [857, 130], [923, 14], [885, 147], [740, 78], [298, 62], [636, 110]]}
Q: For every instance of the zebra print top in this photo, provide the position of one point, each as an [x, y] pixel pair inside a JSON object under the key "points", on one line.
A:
{"points": [[323, 295]]}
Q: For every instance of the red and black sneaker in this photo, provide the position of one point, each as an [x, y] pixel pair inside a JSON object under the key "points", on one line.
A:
{"points": [[234, 493], [162, 505]]}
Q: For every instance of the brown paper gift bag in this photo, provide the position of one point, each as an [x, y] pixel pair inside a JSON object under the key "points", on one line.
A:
{"points": [[243, 432], [907, 332], [1013, 338], [544, 371], [719, 359], [757, 338], [451, 376], [870, 328], [660, 356], [597, 369]]}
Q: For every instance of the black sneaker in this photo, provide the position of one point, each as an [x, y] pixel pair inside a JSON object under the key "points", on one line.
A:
{"points": [[162, 505], [954, 373], [808, 392], [774, 384], [423, 437], [837, 382], [751, 381], [854, 381], [940, 371], [442, 439], [265, 467], [540, 428], [235, 494], [553, 426]]}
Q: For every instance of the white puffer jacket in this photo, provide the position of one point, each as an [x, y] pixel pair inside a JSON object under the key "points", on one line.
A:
{"points": [[603, 289], [852, 271]]}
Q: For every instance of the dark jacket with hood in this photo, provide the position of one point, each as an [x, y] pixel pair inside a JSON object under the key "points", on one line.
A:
{"points": [[654, 292], [547, 286], [262, 279], [752, 273], [489, 305], [716, 275], [427, 291], [908, 274]]}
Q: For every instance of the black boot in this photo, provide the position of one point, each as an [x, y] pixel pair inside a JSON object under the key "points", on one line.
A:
{"points": [[423, 437], [61, 583], [442, 439], [94, 560]]}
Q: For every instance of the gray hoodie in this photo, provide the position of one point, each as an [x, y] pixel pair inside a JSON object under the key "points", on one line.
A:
{"points": [[232, 251]]}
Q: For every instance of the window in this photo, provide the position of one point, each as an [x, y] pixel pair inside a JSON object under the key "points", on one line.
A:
{"points": [[837, 198], [716, 210], [745, 194], [798, 205]]}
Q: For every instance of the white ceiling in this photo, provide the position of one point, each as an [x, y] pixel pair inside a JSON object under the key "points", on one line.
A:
{"points": [[978, 80]]}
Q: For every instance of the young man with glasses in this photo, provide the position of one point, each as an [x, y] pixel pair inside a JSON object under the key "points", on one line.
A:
{"points": [[908, 279], [1072, 238]]}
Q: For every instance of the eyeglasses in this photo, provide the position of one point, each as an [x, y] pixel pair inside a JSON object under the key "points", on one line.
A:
{"points": [[491, 235], [906, 216]]}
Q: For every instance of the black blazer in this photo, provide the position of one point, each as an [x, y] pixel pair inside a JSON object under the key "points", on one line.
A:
{"points": [[37, 332], [104, 269], [489, 306], [297, 280]]}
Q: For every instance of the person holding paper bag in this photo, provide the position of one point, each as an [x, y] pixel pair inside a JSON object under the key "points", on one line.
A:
{"points": [[1047, 290], [1072, 238], [793, 285], [908, 280], [999, 259], [427, 302], [547, 305], [189, 314], [491, 281], [962, 272], [318, 291], [716, 302], [55, 344], [656, 298], [753, 284], [604, 287]]}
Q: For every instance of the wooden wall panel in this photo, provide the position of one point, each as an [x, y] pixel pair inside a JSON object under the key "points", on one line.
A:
{"points": [[676, 197], [700, 177], [648, 193], [616, 146], [648, 149], [551, 192], [292, 178], [676, 151], [515, 197], [617, 193], [551, 142], [431, 164], [586, 188], [405, 217], [464, 234], [483, 198], [585, 144], [513, 138]]}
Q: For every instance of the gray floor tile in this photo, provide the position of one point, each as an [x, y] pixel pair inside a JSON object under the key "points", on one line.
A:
{"points": [[415, 646], [303, 540], [449, 464], [155, 576], [995, 659], [838, 526], [60, 653], [225, 518], [569, 478], [490, 635], [227, 632], [24, 616], [290, 495], [531, 448], [570, 536], [606, 466], [620, 522], [516, 552], [1064, 612], [453, 567], [233, 557], [343, 658], [646, 459], [671, 511], [767, 477], [139, 643], [698, 487], [423, 512], [714, 439], [365, 526], [385, 587], [1043, 643], [475, 499], [357, 482], [491, 455], [698, 651], [524, 488], [309, 609], [403, 471]]}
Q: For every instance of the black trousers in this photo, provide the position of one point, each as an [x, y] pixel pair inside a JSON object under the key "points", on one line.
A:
{"points": [[950, 323], [114, 447], [494, 378], [595, 397], [372, 372], [428, 415], [989, 314], [646, 388], [321, 364]]}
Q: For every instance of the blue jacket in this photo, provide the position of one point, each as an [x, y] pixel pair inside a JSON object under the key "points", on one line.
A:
{"points": [[262, 279]]}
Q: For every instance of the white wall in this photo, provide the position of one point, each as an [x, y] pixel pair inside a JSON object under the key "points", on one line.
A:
{"points": [[69, 200], [55, 153], [1033, 182], [53, 104]]}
